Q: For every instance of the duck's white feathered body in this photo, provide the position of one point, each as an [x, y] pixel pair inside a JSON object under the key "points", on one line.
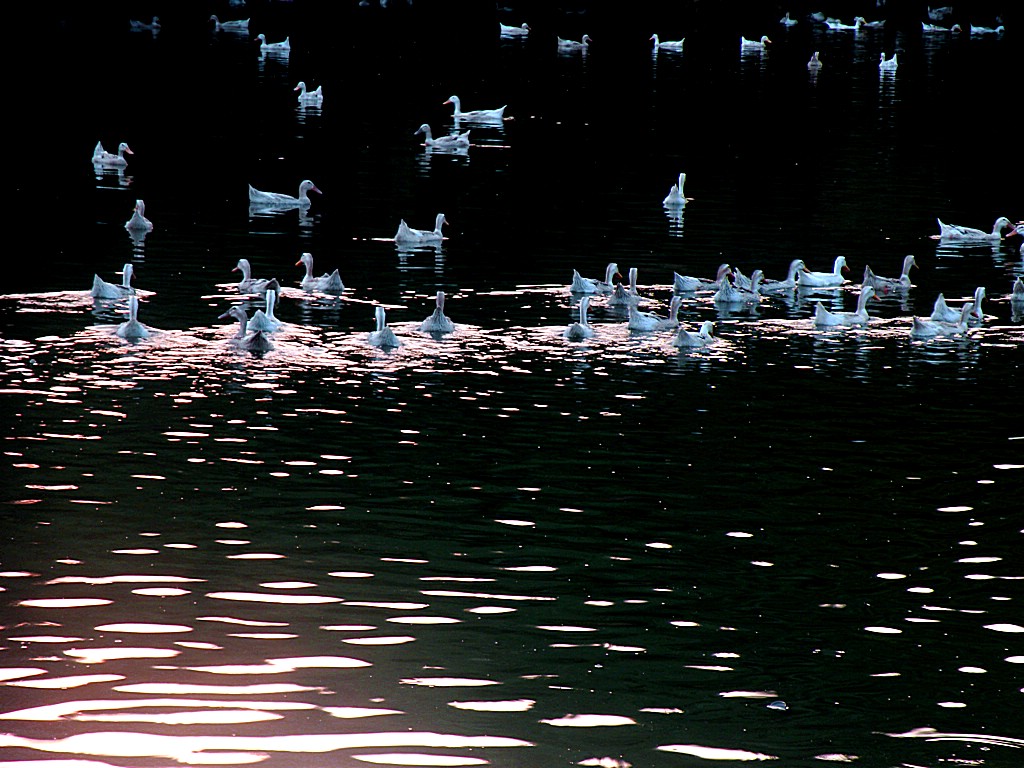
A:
{"points": [[101, 289], [925, 328], [883, 285], [825, 318], [580, 330], [406, 235], [581, 284], [327, 283], [455, 142], [956, 232], [831, 279], [262, 199], [265, 320], [383, 336], [688, 340], [138, 222], [487, 115], [253, 341], [100, 156], [250, 284], [676, 196], [132, 328], [687, 284], [648, 321], [783, 286], [438, 322]]}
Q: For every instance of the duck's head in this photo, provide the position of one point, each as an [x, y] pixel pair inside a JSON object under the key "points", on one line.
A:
{"points": [[309, 186], [235, 313], [305, 260]]}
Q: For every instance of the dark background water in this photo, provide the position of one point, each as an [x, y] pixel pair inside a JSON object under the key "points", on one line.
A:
{"points": [[665, 541]]}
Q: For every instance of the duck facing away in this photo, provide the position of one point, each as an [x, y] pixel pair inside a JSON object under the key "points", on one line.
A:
{"points": [[688, 340], [458, 141], [676, 196], [943, 313], [383, 336], [475, 114], [814, 63], [316, 96], [581, 284], [686, 284], [100, 156], [101, 289], [955, 232], [438, 322], [648, 321], [266, 321], [568, 46], [132, 328], [581, 329], [667, 45], [825, 318], [831, 279], [625, 295], [924, 328], [281, 200], [250, 284], [406, 235], [328, 283], [253, 341], [138, 222], [730, 293], [884, 285]]}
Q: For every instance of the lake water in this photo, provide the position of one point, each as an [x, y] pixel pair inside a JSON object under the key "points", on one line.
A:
{"points": [[499, 546]]}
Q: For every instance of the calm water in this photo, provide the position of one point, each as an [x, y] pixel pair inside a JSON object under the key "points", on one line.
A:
{"points": [[501, 547]]}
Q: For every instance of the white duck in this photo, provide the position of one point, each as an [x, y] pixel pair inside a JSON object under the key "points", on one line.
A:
{"points": [[688, 340], [943, 313], [438, 322], [406, 235], [786, 21], [580, 330], [823, 317], [955, 232], [623, 296], [236, 25], [507, 30], [667, 45], [980, 30], [831, 279], [284, 46], [923, 328], [676, 196], [648, 321], [837, 24], [783, 286], [458, 141], [592, 285], [728, 293], [250, 284], [755, 45], [926, 27], [132, 328], [475, 114], [101, 289], [889, 284], [139, 25], [266, 321], [316, 96], [138, 222], [281, 200], [567, 46], [327, 283], [686, 284], [814, 63], [254, 341], [887, 65], [383, 337], [100, 156], [1017, 294]]}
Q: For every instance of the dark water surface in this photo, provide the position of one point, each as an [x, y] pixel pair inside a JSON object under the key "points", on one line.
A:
{"points": [[499, 546]]}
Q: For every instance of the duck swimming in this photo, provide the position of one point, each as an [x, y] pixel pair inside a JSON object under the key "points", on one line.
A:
{"points": [[253, 341], [889, 284], [383, 337], [100, 156], [685, 283], [265, 321], [328, 283], [675, 196], [315, 96], [823, 317], [566, 46], [591, 285], [475, 114], [132, 328], [783, 286], [438, 322], [667, 45], [237, 25], [284, 46], [969, 234], [687, 340], [927, 329], [458, 141], [625, 296], [138, 222], [506, 30], [406, 235], [281, 200], [648, 321], [250, 284], [943, 313], [831, 279], [758, 45], [104, 290], [580, 330]]}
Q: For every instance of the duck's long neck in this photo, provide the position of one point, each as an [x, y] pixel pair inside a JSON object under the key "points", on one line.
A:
{"points": [[583, 311], [680, 183], [437, 223], [243, 322], [380, 319], [133, 309], [609, 273], [271, 301], [244, 268], [440, 302], [126, 277]]}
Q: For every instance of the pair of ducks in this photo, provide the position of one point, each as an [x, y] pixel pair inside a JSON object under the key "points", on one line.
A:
{"points": [[646, 321], [326, 283]]}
